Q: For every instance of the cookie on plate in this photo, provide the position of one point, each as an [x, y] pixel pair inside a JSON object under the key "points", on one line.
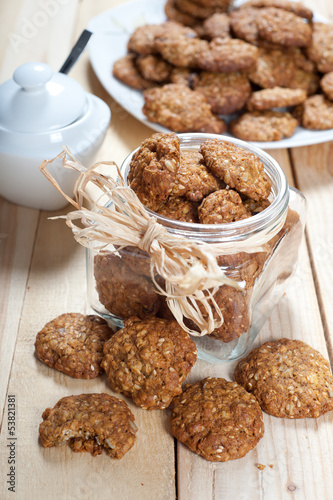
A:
{"points": [[216, 26], [276, 97], [73, 344], [217, 419], [297, 8], [181, 109], [289, 378], [89, 423], [283, 28], [172, 12], [154, 68], [149, 360], [227, 55], [320, 50], [238, 168], [263, 126], [127, 72], [326, 84], [317, 113], [274, 68]]}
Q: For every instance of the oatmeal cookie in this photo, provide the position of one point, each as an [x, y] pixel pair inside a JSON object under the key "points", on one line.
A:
{"points": [[142, 40], [243, 23], [181, 49], [73, 344], [195, 8], [184, 76], [296, 7], [217, 26], [126, 71], [276, 97], [181, 109], [154, 68], [217, 419], [221, 207], [194, 180], [227, 55], [263, 126], [153, 169], [225, 92], [308, 81], [320, 50], [121, 291], [237, 167], [179, 209], [243, 267], [326, 84], [89, 423], [317, 113], [282, 27], [138, 260], [149, 360], [275, 68], [289, 378], [221, 5], [255, 207], [175, 14]]}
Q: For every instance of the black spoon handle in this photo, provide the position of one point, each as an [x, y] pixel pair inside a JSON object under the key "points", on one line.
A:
{"points": [[76, 52]]}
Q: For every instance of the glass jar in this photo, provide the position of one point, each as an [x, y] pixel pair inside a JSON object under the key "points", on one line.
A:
{"points": [[120, 285]]}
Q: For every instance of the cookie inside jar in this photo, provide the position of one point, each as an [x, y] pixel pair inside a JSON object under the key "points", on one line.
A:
{"points": [[219, 191]]}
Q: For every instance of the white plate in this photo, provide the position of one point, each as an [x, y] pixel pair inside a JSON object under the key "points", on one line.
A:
{"points": [[111, 32]]}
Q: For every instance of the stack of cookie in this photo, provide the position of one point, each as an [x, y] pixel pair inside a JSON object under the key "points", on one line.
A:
{"points": [[267, 62]]}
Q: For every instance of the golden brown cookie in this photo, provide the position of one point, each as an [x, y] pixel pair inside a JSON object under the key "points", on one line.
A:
{"points": [[326, 84], [195, 8], [263, 126], [184, 76], [142, 40], [306, 80], [276, 97], [149, 360], [297, 8], [121, 291], [127, 72], [194, 180], [237, 167], [225, 92], [289, 378], [227, 55], [275, 68], [320, 50], [221, 207], [317, 113], [154, 68], [283, 27], [181, 48], [217, 26], [89, 423], [73, 344], [243, 23], [153, 169], [181, 109], [175, 14], [180, 209], [217, 419]]}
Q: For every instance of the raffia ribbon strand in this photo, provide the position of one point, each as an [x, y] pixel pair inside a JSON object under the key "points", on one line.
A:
{"points": [[189, 268]]}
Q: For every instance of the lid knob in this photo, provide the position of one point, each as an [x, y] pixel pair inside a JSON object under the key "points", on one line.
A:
{"points": [[32, 76]]}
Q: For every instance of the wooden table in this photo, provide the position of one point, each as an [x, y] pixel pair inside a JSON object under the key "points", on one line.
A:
{"points": [[43, 275]]}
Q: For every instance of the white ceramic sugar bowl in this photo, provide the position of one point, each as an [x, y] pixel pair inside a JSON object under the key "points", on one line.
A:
{"points": [[40, 111]]}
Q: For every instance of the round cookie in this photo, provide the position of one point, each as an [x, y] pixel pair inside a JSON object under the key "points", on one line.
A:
{"points": [[237, 167], [326, 84], [320, 50], [227, 55], [283, 28], [89, 423], [180, 209], [149, 360], [126, 71], [153, 68], [263, 126], [181, 109], [297, 8], [217, 26], [73, 344], [175, 14], [275, 68], [276, 97], [317, 113], [217, 419], [123, 292], [221, 207], [289, 378]]}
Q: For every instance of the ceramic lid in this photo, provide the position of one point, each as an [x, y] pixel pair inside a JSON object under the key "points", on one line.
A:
{"points": [[39, 100]]}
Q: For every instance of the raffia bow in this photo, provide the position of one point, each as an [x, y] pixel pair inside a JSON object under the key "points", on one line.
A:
{"points": [[189, 268]]}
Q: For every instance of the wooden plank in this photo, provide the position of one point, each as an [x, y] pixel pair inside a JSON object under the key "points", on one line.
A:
{"points": [[56, 285], [299, 451], [17, 232]]}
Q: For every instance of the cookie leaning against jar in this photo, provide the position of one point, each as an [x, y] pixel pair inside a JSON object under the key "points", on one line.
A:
{"points": [[148, 360]]}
